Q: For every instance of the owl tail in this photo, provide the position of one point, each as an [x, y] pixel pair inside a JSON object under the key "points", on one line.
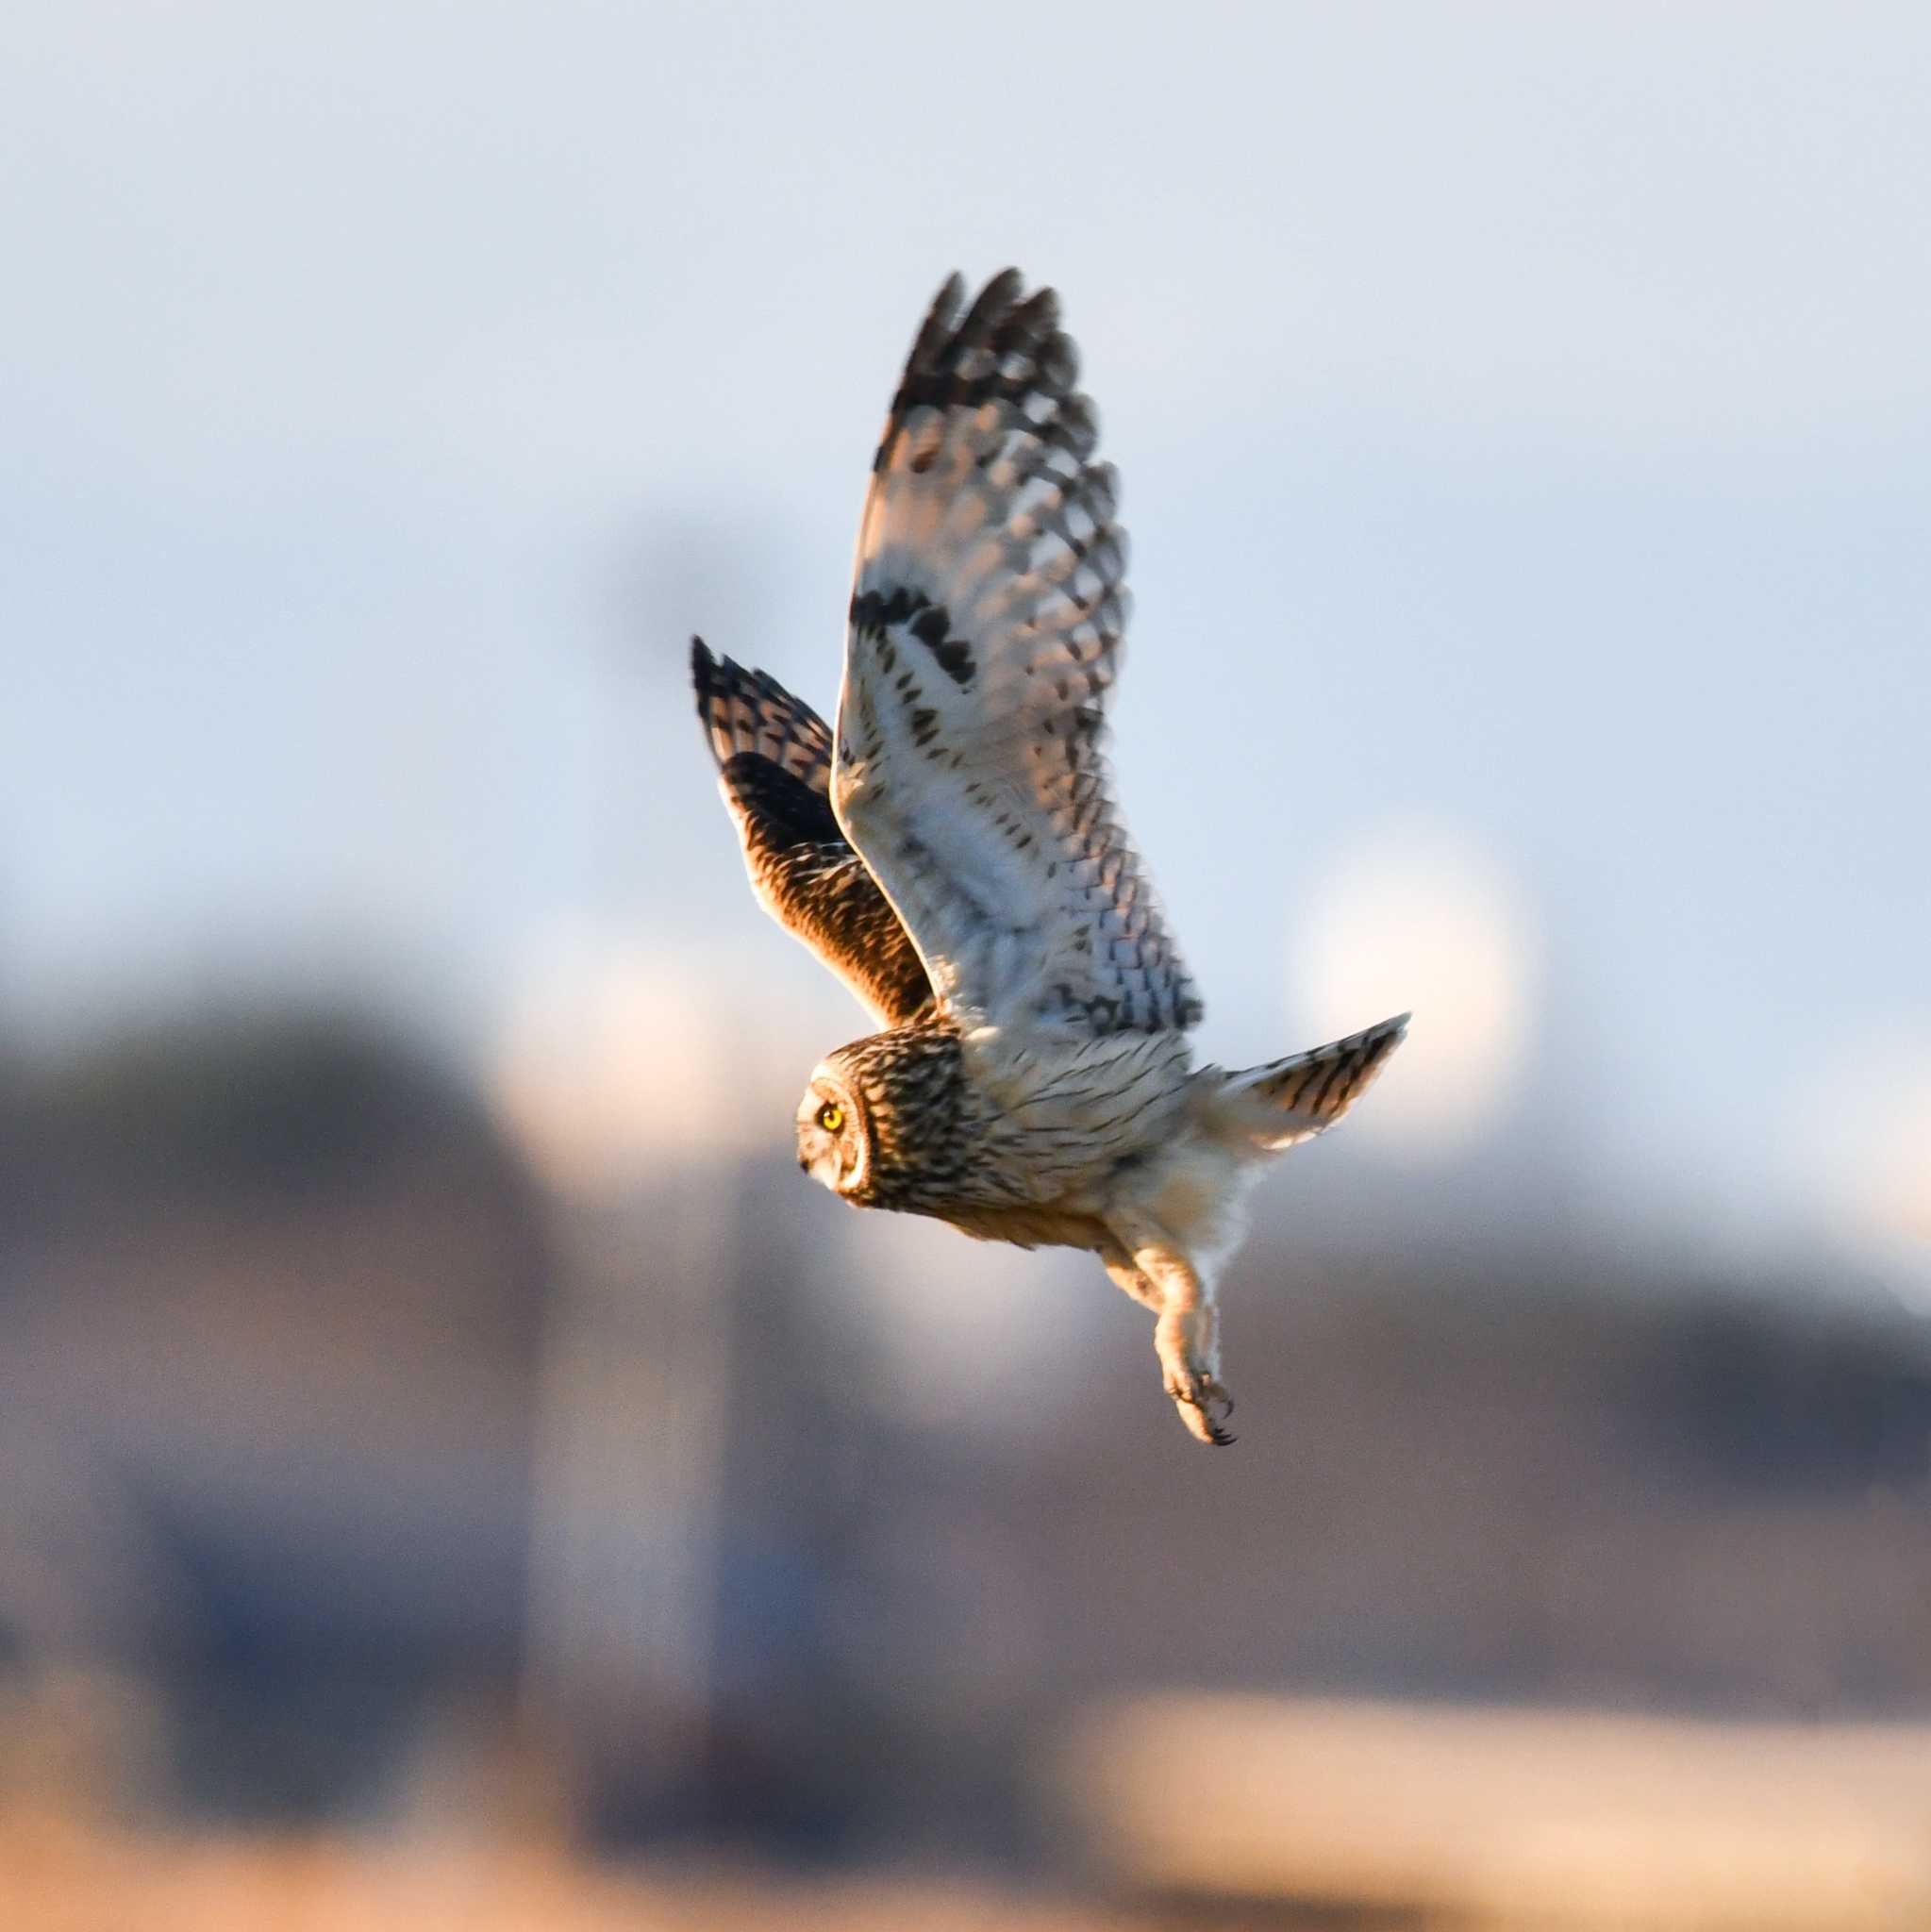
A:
{"points": [[1279, 1106]]}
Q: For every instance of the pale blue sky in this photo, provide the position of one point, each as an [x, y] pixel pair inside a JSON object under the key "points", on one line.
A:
{"points": [[1524, 417]]}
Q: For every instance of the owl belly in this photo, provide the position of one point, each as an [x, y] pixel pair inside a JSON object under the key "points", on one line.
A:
{"points": [[1026, 1227], [1054, 1122]]}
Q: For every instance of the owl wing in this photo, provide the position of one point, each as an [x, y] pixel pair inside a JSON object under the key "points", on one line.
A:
{"points": [[987, 619], [774, 755]]}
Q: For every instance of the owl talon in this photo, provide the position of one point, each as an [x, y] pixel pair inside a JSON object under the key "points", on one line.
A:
{"points": [[1205, 1408]]}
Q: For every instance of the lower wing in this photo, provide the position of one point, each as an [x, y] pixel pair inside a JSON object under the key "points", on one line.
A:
{"points": [[774, 755]]}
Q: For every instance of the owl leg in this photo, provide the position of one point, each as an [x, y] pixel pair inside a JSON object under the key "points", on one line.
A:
{"points": [[1125, 1275], [1186, 1328]]}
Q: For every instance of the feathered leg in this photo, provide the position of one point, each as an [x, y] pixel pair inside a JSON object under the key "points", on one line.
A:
{"points": [[1125, 1275], [1152, 1267]]}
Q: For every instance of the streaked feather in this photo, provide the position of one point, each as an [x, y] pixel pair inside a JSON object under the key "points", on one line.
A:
{"points": [[1290, 1100]]}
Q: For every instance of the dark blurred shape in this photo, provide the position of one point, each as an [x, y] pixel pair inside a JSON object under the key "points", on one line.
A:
{"points": [[274, 1290], [1831, 1400]]}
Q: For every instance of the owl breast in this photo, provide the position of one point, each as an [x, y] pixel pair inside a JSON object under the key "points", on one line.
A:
{"points": [[1010, 1138], [1057, 1118]]}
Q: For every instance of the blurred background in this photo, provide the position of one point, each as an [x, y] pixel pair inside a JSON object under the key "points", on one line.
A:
{"points": [[451, 1466]]}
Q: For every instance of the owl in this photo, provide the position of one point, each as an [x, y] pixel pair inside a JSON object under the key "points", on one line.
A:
{"points": [[952, 852]]}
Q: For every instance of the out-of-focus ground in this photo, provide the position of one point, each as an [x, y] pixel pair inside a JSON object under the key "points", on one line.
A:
{"points": [[383, 1527], [1522, 1816], [64, 1878]]}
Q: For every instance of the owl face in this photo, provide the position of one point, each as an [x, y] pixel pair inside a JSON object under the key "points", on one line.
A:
{"points": [[833, 1137]]}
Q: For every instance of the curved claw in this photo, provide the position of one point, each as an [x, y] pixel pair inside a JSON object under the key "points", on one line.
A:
{"points": [[1204, 1407]]}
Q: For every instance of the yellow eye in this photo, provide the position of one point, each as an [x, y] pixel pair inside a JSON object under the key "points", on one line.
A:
{"points": [[831, 1116]]}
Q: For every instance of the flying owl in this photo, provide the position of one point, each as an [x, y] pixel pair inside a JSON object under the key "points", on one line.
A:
{"points": [[954, 854]]}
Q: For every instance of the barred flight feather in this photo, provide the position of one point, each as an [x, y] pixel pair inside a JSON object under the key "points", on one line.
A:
{"points": [[987, 615]]}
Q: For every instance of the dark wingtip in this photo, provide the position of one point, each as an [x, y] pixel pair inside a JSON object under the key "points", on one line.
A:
{"points": [[939, 322], [708, 677], [990, 306]]}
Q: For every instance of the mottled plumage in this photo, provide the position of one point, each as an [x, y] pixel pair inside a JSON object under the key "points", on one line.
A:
{"points": [[987, 620], [774, 755], [952, 852]]}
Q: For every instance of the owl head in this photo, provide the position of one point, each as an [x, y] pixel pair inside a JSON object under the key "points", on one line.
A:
{"points": [[834, 1133], [880, 1123]]}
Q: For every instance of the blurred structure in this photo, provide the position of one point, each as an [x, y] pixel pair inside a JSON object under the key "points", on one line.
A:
{"points": [[632, 1408], [273, 1298]]}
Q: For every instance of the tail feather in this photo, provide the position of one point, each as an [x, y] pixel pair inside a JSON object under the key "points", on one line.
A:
{"points": [[1292, 1100]]}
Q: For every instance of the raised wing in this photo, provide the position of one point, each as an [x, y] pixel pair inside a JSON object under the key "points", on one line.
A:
{"points": [[988, 612], [773, 756]]}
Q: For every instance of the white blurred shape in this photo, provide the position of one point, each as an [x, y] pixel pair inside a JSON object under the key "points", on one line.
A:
{"points": [[955, 1320], [619, 1058], [1858, 1124], [1416, 917]]}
